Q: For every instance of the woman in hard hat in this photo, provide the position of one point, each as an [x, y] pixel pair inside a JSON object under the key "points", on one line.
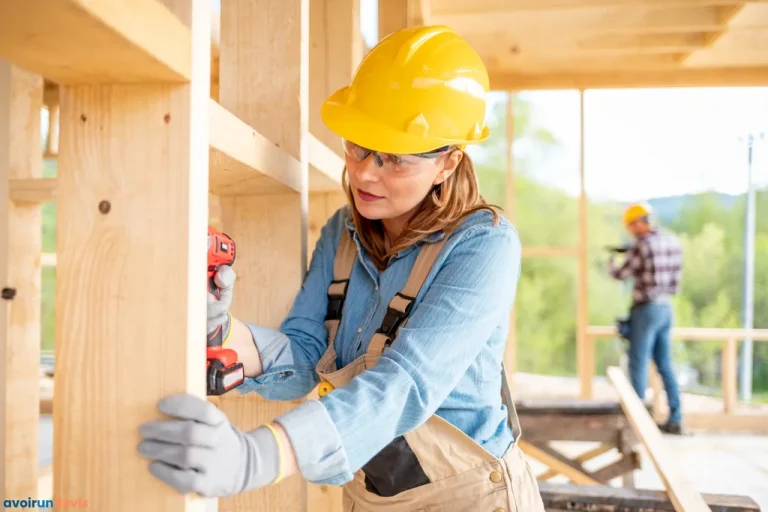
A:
{"points": [[402, 318]]}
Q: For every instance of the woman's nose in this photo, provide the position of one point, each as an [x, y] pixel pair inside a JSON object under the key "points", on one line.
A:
{"points": [[367, 170]]}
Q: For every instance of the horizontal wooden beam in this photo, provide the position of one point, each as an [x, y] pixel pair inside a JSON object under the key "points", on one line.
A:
{"points": [[242, 162], [491, 7], [325, 167], [33, 190], [93, 41], [691, 333], [538, 27], [682, 493], [245, 162], [631, 79], [584, 498], [539, 252]]}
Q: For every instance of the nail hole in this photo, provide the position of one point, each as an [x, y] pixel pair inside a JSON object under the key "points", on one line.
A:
{"points": [[104, 207], [9, 293], [167, 118], [83, 118]]}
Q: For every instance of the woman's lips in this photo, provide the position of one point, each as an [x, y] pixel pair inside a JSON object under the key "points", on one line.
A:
{"points": [[365, 196]]}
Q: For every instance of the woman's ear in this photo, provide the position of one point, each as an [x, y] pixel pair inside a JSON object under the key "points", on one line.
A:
{"points": [[449, 167]]}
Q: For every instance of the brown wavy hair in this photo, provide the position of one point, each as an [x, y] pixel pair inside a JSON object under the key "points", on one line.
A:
{"points": [[443, 209]]}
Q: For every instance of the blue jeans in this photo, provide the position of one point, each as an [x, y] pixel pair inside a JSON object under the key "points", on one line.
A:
{"points": [[650, 335]]}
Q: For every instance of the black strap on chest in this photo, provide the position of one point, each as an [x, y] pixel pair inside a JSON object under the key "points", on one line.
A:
{"points": [[337, 294]]}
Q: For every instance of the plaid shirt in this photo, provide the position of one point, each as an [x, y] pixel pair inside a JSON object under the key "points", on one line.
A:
{"points": [[655, 262]]}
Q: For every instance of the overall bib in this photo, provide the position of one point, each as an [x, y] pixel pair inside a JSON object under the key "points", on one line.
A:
{"points": [[436, 467]]}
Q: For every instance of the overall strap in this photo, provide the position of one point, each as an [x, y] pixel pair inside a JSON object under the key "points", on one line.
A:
{"points": [[337, 290], [401, 304]]}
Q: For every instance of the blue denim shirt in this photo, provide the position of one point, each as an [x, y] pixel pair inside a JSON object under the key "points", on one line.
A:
{"points": [[446, 360]]}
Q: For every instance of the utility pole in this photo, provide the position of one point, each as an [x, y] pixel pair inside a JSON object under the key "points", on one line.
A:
{"points": [[748, 289]]}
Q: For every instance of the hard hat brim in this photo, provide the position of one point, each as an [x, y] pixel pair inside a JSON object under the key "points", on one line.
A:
{"points": [[351, 124]]}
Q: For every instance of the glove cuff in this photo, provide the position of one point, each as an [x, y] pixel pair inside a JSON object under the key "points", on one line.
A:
{"points": [[226, 329], [263, 465]]}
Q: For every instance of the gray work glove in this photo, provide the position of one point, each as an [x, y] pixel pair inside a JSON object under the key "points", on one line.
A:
{"points": [[200, 451], [218, 309]]}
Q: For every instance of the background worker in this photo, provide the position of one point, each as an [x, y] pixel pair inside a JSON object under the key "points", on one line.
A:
{"points": [[402, 318], [654, 262]]}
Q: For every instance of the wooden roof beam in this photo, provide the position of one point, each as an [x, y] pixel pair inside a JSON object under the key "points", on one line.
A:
{"points": [[505, 80], [587, 21], [743, 42], [419, 12], [91, 41], [495, 7]]}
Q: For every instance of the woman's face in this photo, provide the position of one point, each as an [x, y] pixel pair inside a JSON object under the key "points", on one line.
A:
{"points": [[386, 186]]}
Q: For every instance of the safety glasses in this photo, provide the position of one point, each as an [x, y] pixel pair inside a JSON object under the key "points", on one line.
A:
{"points": [[391, 161]]}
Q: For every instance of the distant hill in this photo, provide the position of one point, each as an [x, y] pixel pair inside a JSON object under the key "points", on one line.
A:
{"points": [[666, 208]]}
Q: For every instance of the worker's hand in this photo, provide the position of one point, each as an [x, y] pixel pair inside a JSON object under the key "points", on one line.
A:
{"points": [[200, 451], [218, 309]]}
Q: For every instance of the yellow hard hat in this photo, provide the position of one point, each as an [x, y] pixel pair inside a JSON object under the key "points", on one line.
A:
{"points": [[417, 90], [636, 211]]}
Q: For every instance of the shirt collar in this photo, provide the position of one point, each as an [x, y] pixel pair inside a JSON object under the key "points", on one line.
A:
{"points": [[431, 238]]}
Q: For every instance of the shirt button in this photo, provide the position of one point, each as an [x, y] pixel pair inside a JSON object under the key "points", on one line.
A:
{"points": [[359, 329], [495, 477]]}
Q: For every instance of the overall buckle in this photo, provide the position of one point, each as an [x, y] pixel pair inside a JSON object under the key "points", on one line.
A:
{"points": [[394, 318], [336, 301]]}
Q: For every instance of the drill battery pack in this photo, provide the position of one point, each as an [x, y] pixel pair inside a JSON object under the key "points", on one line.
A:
{"points": [[224, 372]]}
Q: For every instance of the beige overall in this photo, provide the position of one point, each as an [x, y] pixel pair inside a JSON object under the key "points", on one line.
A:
{"points": [[456, 474]]}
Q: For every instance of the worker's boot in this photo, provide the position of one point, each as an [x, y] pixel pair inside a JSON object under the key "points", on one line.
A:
{"points": [[671, 427]]}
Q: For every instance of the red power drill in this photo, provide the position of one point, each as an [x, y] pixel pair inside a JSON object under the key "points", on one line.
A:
{"points": [[223, 371]]}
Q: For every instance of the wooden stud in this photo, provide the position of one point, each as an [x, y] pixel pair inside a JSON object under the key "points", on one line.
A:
{"points": [[510, 206], [264, 73], [728, 376], [52, 142], [585, 352], [21, 100], [393, 16], [130, 299], [336, 51]]}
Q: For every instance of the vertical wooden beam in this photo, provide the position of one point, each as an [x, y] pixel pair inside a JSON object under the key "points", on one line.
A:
{"points": [[335, 52], [264, 80], [130, 299], [21, 100], [728, 375], [585, 353], [52, 142], [510, 355], [393, 15]]}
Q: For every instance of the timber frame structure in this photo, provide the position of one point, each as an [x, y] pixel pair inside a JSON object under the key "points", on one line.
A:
{"points": [[165, 118]]}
